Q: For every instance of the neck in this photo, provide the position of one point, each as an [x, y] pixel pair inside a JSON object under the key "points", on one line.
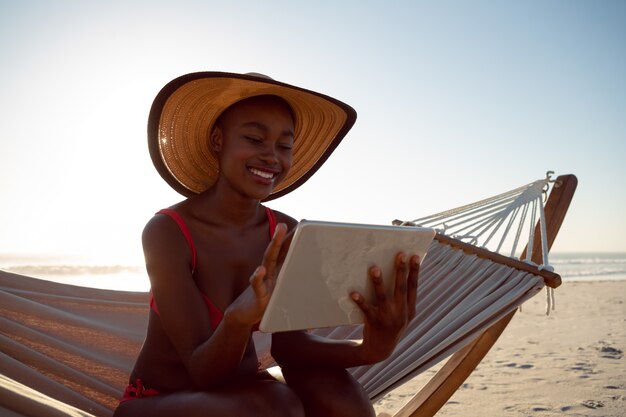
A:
{"points": [[230, 208]]}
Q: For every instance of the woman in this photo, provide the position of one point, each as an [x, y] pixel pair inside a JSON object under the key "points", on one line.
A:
{"points": [[228, 142]]}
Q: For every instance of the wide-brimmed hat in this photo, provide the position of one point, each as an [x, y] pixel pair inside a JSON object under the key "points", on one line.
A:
{"points": [[185, 110]]}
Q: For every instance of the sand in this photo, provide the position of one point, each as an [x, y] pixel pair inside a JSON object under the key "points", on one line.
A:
{"points": [[570, 363], [567, 364]]}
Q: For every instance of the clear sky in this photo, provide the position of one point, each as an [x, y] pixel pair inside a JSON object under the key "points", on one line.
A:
{"points": [[457, 101]]}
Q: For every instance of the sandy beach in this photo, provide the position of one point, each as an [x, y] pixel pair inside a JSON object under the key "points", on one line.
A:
{"points": [[570, 363], [567, 364]]}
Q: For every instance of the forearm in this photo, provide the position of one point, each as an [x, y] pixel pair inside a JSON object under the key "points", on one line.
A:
{"points": [[300, 348], [220, 356]]}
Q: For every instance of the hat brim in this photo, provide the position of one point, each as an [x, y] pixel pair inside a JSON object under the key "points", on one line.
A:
{"points": [[186, 109]]}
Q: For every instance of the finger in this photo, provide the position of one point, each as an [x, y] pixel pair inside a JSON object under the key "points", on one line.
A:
{"points": [[400, 289], [361, 303], [414, 269], [256, 281], [270, 257], [377, 281]]}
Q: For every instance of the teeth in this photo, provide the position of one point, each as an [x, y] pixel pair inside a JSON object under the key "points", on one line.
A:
{"points": [[262, 174]]}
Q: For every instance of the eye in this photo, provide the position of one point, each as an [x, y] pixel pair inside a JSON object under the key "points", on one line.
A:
{"points": [[286, 146], [253, 139]]}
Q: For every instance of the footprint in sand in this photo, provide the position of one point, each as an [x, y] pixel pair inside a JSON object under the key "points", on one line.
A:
{"points": [[522, 366], [479, 387], [592, 403], [540, 409], [584, 367], [610, 352]]}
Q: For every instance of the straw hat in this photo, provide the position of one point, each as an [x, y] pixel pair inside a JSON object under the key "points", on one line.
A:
{"points": [[185, 110]]}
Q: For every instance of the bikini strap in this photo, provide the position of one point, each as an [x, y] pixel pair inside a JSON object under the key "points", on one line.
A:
{"points": [[183, 228], [173, 214], [272, 220]]}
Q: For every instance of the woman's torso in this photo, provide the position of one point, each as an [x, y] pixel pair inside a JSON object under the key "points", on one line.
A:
{"points": [[225, 259]]}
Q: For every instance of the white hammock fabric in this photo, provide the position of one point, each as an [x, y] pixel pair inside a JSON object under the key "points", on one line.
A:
{"points": [[459, 294], [481, 223]]}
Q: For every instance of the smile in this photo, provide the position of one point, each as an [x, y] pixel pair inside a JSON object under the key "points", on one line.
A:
{"points": [[263, 174]]}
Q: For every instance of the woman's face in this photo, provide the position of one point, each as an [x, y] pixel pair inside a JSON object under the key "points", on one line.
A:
{"points": [[253, 141]]}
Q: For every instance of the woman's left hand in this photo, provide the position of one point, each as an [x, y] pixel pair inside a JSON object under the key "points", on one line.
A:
{"points": [[387, 318], [248, 308]]}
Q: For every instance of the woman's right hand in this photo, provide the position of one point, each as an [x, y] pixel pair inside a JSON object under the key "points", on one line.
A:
{"points": [[387, 318], [249, 307]]}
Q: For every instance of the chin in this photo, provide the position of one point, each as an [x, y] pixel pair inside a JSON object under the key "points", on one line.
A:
{"points": [[259, 195]]}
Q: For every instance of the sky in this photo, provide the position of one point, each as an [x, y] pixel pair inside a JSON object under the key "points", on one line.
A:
{"points": [[456, 101]]}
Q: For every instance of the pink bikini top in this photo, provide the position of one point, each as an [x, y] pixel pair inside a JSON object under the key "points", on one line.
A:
{"points": [[215, 314]]}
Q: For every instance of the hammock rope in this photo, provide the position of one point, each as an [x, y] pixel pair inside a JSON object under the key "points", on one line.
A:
{"points": [[479, 223], [469, 223]]}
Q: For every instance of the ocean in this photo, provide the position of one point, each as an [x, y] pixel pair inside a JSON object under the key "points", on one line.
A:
{"points": [[76, 271]]}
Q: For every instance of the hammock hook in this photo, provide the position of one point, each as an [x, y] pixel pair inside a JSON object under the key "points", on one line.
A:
{"points": [[557, 183], [546, 187]]}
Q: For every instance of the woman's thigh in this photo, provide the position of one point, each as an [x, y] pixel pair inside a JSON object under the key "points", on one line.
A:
{"points": [[258, 398], [329, 392]]}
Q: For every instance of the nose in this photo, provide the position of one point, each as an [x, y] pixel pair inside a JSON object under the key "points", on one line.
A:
{"points": [[269, 155]]}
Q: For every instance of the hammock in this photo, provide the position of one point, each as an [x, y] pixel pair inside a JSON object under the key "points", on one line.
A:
{"points": [[67, 350]]}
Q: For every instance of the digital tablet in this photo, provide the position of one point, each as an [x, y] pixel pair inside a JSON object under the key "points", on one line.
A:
{"points": [[326, 262]]}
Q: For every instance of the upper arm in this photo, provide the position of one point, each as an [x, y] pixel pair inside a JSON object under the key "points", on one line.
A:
{"points": [[182, 311]]}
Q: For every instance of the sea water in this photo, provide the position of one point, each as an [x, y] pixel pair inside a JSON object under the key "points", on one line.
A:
{"points": [[74, 270], [589, 266], [132, 276]]}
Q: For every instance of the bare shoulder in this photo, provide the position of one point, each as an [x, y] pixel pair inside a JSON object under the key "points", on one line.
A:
{"points": [[158, 228], [163, 240]]}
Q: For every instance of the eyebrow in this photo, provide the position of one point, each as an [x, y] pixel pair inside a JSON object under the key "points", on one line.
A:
{"points": [[286, 132]]}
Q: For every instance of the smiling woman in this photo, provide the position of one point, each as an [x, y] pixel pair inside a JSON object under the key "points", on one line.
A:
{"points": [[228, 142]]}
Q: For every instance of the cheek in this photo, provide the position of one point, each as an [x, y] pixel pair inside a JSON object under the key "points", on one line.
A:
{"points": [[231, 152], [286, 161]]}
